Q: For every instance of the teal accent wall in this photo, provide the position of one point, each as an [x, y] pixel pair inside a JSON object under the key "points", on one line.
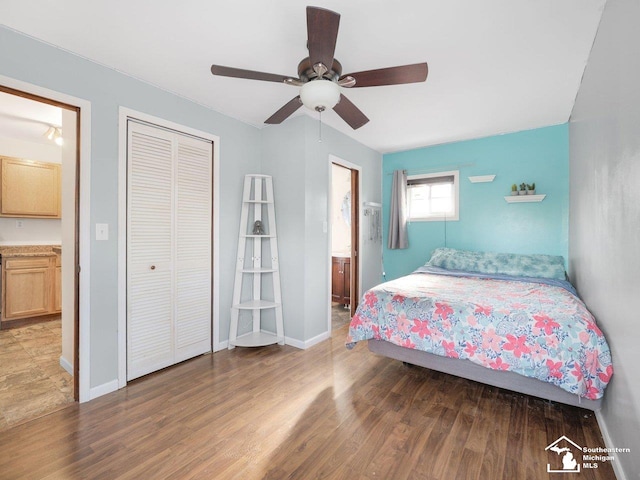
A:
{"points": [[487, 222]]}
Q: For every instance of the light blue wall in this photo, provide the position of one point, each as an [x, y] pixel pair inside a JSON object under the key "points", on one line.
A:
{"points": [[487, 222], [300, 180], [28, 60], [604, 233], [293, 155]]}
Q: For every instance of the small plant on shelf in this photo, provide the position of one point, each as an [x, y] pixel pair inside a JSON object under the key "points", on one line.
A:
{"points": [[531, 189], [514, 189], [523, 189]]}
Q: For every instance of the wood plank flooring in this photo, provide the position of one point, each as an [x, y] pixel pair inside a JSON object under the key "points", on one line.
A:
{"points": [[282, 413]]}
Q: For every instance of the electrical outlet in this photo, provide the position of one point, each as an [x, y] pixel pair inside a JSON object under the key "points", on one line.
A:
{"points": [[19, 223]]}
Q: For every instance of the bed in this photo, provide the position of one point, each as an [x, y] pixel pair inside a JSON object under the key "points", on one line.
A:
{"points": [[511, 321]]}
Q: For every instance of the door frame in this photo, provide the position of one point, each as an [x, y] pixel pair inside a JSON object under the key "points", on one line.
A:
{"points": [[125, 114], [82, 230], [356, 231]]}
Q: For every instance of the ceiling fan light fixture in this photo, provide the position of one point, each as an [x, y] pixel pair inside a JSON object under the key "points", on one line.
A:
{"points": [[320, 94]]}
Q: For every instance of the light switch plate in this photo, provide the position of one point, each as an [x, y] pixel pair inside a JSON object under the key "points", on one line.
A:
{"points": [[102, 231]]}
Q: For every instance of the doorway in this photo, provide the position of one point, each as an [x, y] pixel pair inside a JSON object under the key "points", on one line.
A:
{"points": [[345, 241], [39, 136]]}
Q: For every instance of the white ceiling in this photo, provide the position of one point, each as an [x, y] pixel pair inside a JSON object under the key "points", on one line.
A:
{"points": [[495, 66], [28, 120]]}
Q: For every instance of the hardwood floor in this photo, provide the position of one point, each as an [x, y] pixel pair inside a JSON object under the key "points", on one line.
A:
{"points": [[282, 413], [32, 382]]}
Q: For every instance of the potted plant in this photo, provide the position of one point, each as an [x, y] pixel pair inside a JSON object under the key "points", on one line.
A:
{"points": [[523, 189], [514, 189], [531, 189]]}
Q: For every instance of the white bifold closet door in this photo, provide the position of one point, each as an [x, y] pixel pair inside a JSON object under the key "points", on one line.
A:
{"points": [[168, 248]]}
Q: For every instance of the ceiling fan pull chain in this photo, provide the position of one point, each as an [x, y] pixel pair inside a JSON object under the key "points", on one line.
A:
{"points": [[319, 126]]}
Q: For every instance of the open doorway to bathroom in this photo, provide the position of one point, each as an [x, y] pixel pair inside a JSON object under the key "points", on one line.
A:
{"points": [[39, 147], [344, 243]]}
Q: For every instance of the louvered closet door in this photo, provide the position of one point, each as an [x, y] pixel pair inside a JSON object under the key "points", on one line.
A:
{"points": [[168, 226], [193, 247]]}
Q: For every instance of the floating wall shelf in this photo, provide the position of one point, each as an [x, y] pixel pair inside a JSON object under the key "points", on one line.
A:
{"points": [[482, 178], [524, 198]]}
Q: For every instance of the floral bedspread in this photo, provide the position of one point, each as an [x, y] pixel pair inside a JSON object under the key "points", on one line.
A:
{"points": [[536, 330]]}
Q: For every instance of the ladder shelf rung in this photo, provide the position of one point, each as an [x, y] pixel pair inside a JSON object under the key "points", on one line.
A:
{"points": [[258, 236], [258, 270], [257, 339], [256, 305]]}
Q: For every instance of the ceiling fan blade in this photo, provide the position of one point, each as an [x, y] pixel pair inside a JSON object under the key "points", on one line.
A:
{"points": [[350, 113], [250, 74], [389, 76], [322, 33], [284, 113]]}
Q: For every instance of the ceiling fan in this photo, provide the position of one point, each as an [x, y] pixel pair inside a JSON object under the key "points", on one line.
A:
{"points": [[320, 74]]}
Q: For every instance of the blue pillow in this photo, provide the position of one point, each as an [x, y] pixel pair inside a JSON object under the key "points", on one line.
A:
{"points": [[539, 266]]}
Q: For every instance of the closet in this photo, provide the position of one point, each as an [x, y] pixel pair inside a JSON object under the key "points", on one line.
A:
{"points": [[168, 247]]}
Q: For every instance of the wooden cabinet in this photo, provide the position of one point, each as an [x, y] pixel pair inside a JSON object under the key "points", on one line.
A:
{"points": [[57, 285], [29, 188], [30, 287], [341, 280], [27, 284]]}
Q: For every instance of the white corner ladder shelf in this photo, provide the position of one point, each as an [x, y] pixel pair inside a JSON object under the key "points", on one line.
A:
{"points": [[257, 200]]}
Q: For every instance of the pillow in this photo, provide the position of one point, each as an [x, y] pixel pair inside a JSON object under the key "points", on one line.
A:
{"points": [[539, 266]]}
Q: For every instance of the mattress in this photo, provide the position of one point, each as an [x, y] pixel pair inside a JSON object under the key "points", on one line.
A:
{"points": [[533, 327]]}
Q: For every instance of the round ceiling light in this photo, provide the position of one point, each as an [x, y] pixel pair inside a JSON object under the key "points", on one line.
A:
{"points": [[320, 95]]}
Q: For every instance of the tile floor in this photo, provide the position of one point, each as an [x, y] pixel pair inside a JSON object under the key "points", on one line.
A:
{"points": [[32, 382], [340, 315]]}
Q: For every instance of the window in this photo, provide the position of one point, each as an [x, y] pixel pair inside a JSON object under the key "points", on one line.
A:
{"points": [[433, 196]]}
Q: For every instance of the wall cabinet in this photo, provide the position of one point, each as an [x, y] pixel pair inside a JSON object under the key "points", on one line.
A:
{"points": [[30, 287], [341, 280], [29, 188]]}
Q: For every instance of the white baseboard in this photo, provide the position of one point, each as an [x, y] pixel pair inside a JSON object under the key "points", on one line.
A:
{"points": [[608, 443], [103, 389], [64, 363], [303, 345], [294, 342]]}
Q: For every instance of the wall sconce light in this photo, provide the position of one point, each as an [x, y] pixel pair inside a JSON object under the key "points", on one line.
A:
{"points": [[54, 134]]}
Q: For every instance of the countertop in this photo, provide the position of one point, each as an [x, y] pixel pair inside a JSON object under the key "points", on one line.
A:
{"points": [[8, 251]]}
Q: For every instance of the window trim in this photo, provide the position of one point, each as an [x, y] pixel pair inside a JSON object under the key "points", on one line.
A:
{"points": [[456, 197]]}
